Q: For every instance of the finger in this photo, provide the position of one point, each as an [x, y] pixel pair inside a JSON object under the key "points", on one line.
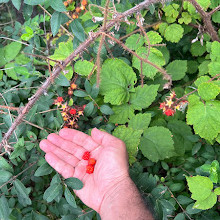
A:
{"points": [[47, 147], [105, 139], [68, 146], [60, 166], [78, 138]]}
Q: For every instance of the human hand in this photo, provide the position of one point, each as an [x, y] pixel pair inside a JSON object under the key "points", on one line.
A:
{"points": [[64, 153]]}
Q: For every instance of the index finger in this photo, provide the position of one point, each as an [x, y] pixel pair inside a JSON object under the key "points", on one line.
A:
{"points": [[78, 138]]}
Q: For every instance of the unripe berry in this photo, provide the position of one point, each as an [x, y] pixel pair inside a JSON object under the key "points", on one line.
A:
{"points": [[73, 86], [66, 3], [70, 92]]}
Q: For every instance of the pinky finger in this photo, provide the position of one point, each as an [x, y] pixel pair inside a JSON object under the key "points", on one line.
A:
{"points": [[59, 165]]}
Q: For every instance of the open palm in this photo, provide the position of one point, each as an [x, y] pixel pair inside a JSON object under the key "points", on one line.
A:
{"points": [[64, 153]]}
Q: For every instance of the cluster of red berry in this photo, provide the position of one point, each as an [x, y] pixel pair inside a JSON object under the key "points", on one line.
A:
{"points": [[91, 162], [172, 104], [70, 114], [78, 9]]}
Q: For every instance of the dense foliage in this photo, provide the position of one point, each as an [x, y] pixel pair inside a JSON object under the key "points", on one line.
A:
{"points": [[150, 79]]}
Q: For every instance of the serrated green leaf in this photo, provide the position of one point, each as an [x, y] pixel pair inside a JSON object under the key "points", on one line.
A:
{"points": [[157, 144], [70, 198], [43, 170], [204, 3], [208, 90], [122, 114], [186, 18], [171, 12], [201, 80], [203, 67], [58, 5], [63, 51], [177, 69], [52, 192], [216, 17], [117, 79], [4, 208], [200, 187], [217, 191], [174, 33], [74, 183], [155, 56], [207, 203], [154, 37], [83, 68], [143, 96], [78, 30], [140, 121], [162, 27], [131, 138], [205, 118], [134, 41]]}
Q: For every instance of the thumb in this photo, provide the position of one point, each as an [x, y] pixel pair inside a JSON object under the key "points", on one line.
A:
{"points": [[103, 138]]}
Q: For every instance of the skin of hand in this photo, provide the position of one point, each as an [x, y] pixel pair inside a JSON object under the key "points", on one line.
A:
{"points": [[64, 153]]}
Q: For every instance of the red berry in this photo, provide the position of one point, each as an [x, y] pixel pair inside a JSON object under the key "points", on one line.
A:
{"points": [[84, 107], [60, 99], [72, 111], [169, 112], [89, 169], [86, 155], [92, 161], [162, 105]]}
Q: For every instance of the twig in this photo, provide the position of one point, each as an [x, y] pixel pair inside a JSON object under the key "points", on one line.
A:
{"points": [[98, 62], [58, 69], [60, 25], [214, 10], [9, 108], [206, 17]]}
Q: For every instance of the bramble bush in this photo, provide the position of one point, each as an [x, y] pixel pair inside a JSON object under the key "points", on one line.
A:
{"points": [[145, 71]]}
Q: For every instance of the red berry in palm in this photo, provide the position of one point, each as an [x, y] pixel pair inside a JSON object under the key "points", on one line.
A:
{"points": [[86, 155], [169, 112], [72, 111], [89, 169], [92, 161]]}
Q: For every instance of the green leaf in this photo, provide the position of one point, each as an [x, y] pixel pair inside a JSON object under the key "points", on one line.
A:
{"points": [[216, 17], [55, 22], [140, 121], [17, 4], [34, 2], [1, 74], [217, 191], [204, 3], [197, 49], [63, 51], [186, 18], [83, 68], [215, 50], [22, 192], [4, 208], [203, 67], [10, 71], [157, 144], [78, 30], [134, 41], [105, 109], [80, 93], [131, 138], [5, 165], [74, 183], [207, 203], [214, 68], [205, 118], [58, 5], [89, 109], [12, 50], [43, 170], [52, 192], [154, 37], [180, 216], [208, 90], [155, 56], [200, 187], [177, 69], [143, 96], [174, 33], [122, 114], [70, 198], [117, 79], [4, 176], [62, 80]]}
